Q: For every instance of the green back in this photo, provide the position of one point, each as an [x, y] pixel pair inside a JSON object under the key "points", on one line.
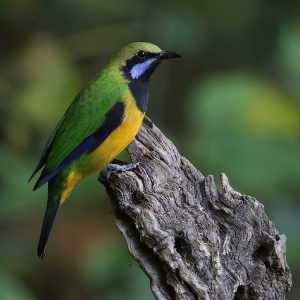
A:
{"points": [[86, 113]]}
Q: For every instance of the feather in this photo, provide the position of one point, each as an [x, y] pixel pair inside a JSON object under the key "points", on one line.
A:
{"points": [[50, 214], [113, 119]]}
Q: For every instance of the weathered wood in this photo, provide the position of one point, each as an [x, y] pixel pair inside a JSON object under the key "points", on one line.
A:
{"points": [[193, 241]]}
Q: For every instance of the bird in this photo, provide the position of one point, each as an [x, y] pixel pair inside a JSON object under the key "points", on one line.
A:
{"points": [[99, 124]]}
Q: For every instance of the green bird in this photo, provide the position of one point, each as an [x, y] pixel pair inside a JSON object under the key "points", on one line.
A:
{"points": [[100, 123]]}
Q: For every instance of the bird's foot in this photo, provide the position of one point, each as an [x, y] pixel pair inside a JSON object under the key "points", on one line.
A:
{"points": [[117, 166], [122, 167]]}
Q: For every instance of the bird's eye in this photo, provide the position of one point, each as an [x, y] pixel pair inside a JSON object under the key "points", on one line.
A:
{"points": [[141, 53]]}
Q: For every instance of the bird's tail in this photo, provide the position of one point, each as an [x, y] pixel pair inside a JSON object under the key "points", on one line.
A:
{"points": [[50, 213]]}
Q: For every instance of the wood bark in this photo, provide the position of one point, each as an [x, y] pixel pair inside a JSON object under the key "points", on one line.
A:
{"points": [[192, 240]]}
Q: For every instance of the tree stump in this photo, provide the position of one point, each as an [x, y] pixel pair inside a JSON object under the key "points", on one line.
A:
{"points": [[193, 241]]}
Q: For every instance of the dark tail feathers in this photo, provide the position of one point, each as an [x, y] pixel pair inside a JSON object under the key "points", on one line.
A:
{"points": [[51, 211]]}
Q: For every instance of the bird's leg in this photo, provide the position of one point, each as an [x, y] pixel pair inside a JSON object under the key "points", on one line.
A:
{"points": [[121, 166]]}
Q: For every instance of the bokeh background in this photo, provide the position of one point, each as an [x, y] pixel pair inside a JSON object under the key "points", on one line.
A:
{"points": [[232, 104]]}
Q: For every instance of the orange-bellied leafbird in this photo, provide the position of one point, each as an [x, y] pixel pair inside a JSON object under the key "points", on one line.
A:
{"points": [[100, 123]]}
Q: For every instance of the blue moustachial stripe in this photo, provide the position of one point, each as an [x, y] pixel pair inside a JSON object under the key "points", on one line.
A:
{"points": [[139, 69]]}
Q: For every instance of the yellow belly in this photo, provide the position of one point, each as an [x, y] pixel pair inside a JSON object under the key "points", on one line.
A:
{"points": [[72, 180], [121, 137]]}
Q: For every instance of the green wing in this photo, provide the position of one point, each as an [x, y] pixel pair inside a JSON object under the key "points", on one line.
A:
{"points": [[95, 112]]}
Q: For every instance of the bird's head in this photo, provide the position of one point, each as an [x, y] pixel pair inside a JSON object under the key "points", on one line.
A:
{"points": [[138, 60]]}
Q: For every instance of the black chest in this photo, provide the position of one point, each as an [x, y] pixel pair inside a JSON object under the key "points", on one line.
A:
{"points": [[139, 89]]}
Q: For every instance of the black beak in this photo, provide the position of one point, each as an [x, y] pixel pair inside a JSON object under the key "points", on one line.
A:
{"points": [[168, 54]]}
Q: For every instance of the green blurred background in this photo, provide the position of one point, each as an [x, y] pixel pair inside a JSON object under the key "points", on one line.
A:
{"points": [[232, 104]]}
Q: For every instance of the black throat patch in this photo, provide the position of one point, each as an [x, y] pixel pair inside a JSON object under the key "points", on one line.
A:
{"points": [[139, 87]]}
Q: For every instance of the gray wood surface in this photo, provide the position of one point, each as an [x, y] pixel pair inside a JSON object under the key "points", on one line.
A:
{"points": [[193, 240]]}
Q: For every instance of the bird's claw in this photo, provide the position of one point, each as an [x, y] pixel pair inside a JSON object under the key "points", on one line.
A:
{"points": [[122, 168]]}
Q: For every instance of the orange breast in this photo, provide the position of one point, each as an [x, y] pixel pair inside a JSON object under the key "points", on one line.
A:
{"points": [[121, 137]]}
